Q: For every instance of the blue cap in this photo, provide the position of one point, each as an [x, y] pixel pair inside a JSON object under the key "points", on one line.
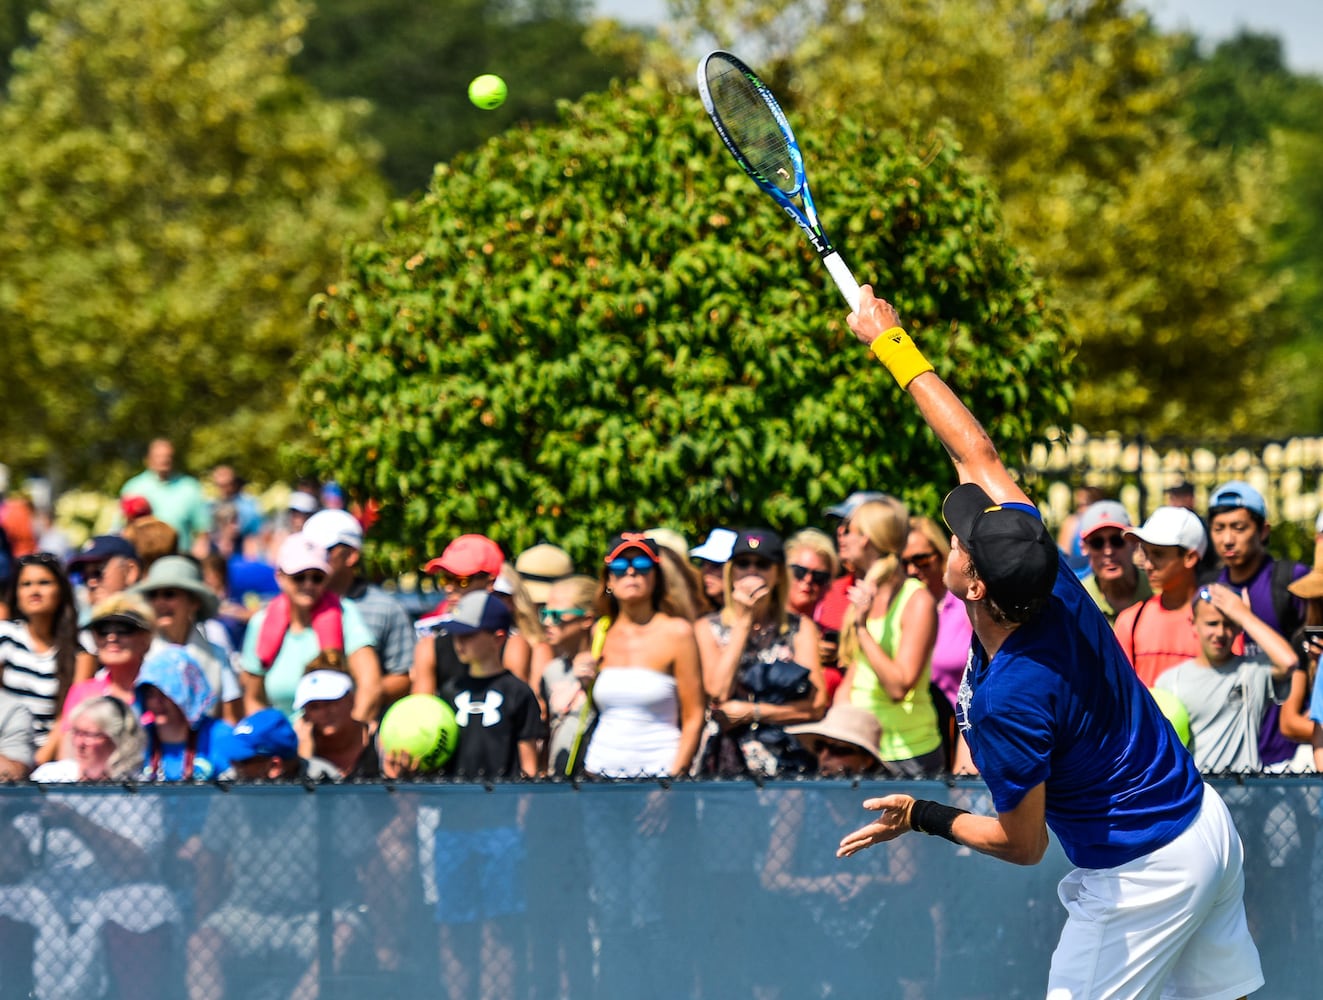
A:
{"points": [[477, 611], [263, 734], [99, 548], [1235, 495]]}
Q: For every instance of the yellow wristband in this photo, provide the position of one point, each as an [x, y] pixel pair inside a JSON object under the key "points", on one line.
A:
{"points": [[896, 350]]}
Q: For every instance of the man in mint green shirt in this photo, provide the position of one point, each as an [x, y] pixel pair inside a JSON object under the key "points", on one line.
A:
{"points": [[175, 498]]}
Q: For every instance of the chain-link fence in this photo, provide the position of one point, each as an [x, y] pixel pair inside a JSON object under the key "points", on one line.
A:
{"points": [[601, 891]]}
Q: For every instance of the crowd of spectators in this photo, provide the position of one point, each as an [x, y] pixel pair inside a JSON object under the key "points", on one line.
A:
{"points": [[663, 659], [208, 639]]}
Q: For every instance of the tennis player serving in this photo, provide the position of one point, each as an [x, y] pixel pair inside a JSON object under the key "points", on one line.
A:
{"points": [[1066, 737]]}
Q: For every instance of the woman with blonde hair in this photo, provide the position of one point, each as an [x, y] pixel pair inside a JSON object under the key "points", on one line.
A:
{"points": [[527, 633], [812, 563], [887, 641]]}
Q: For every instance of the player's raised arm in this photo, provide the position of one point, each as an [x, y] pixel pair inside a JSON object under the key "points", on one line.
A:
{"points": [[975, 457]]}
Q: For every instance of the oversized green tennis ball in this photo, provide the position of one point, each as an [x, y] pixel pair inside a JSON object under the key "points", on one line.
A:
{"points": [[1176, 713], [424, 727], [487, 91]]}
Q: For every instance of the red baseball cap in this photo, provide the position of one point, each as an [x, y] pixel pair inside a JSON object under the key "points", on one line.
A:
{"points": [[468, 555]]}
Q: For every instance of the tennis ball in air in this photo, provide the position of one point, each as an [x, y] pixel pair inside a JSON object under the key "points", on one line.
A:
{"points": [[487, 91], [1176, 713], [424, 727]]}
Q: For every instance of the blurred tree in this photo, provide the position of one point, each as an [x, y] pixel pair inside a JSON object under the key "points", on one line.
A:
{"points": [[1157, 249], [1244, 98], [414, 62], [602, 324], [173, 196], [14, 31]]}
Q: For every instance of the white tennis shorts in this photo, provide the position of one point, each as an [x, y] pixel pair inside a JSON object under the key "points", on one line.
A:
{"points": [[1170, 924]]}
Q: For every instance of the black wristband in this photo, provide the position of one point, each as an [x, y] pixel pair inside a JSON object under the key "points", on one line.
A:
{"points": [[934, 819]]}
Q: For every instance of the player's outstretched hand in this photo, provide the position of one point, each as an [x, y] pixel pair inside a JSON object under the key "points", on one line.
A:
{"points": [[894, 819], [874, 318]]}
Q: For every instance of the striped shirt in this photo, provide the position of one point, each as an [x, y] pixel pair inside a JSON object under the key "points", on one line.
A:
{"points": [[392, 631], [29, 676]]}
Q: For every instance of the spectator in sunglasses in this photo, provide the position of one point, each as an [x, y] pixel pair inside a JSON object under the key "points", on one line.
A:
{"points": [[812, 563], [648, 689], [563, 672], [183, 604], [760, 666], [468, 563], [304, 619], [106, 564], [1114, 581], [924, 559], [40, 647], [121, 627]]}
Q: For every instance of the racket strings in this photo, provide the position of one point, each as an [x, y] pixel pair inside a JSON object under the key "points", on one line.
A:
{"points": [[752, 125]]}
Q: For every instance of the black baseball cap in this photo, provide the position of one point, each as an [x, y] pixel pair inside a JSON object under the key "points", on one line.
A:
{"points": [[759, 542], [1011, 549]]}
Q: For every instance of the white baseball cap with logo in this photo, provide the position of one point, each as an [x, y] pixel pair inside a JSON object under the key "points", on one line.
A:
{"points": [[322, 685], [1173, 526]]}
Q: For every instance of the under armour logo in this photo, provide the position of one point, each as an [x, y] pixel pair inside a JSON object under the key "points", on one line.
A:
{"points": [[489, 708]]}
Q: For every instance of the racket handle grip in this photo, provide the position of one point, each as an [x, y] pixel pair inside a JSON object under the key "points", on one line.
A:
{"points": [[840, 271]]}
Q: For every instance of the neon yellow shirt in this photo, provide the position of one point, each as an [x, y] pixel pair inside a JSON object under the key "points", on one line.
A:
{"points": [[909, 726]]}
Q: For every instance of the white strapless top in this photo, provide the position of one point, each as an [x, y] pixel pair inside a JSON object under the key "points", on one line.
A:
{"points": [[638, 724]]}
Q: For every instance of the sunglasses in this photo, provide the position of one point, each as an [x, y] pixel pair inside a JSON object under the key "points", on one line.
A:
{"points": [[556, 616], [118, 630], [639, 564], [752, 562], [39, 559], [165, 594], [313, 576], [1100, 542], [461, 582], [920, 561], [818, 576], [834, 749]]}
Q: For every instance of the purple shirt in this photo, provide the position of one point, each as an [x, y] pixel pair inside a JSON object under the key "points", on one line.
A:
{"points": [[1273, 746], [951, 651]]}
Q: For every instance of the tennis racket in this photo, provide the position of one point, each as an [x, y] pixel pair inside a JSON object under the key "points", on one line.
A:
{"points": [[755, 130]]}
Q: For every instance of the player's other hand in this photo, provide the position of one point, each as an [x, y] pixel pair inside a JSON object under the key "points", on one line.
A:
{"points": [[892, 821], [874, 318]]}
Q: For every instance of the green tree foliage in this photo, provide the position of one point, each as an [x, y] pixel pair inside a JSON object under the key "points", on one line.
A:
{"points": [[173, 196], [1157, 248], [14, 31], [1244, 98], [602, 324], [414, 62]]}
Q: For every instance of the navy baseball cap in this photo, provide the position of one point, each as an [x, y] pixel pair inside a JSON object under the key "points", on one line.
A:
{"points": [[477, 611], [263, 734], [759, 542], [99, 548], [1014, 555]]}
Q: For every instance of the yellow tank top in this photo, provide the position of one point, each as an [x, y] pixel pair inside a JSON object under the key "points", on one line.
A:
{"points": [[909, 726]]}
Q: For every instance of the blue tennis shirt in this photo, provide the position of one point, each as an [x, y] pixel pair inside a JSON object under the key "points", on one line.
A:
{"points": [[1059, 703]]}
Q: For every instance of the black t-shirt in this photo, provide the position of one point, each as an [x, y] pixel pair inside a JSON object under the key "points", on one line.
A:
{"points": [[495, 714]]}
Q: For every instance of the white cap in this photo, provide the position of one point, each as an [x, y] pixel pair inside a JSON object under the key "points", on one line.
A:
{"points": [[322, 685], [1173, 526], [299, 553], [329, 528], [304, 503], [718, 547]]}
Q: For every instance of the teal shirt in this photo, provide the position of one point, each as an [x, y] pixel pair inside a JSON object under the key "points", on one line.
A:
{"points": [[296, 652], [177, 501]]}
